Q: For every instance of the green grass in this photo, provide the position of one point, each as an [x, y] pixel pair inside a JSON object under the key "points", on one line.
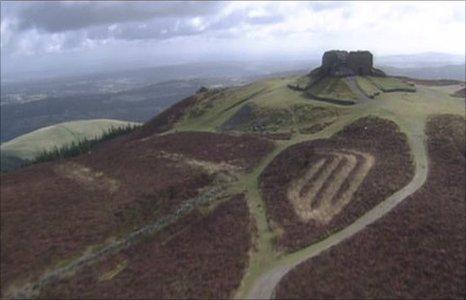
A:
{"points": [[294, 118], [274, 107], [209, 113], [390, 84], [28, 146], [332, 88], [367, 87], [261, 119], [301, 83], [82, 145]]}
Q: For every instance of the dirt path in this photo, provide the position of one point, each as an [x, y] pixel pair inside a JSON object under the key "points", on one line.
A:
{"points": [[32, 289], [353, 85], [264, 285]]}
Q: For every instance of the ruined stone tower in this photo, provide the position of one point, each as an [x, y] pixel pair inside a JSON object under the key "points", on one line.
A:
{"points": [[343, 63], [339, 63]]}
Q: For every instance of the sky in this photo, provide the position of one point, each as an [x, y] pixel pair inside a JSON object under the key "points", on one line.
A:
{"points": [[48, 36]]}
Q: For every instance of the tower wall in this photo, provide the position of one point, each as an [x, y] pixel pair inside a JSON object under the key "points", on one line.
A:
{"points": [[360, 62], [344, 63]]}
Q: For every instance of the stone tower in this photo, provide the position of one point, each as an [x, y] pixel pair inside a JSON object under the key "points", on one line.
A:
{"points": [[343, 63], [339, 63]]}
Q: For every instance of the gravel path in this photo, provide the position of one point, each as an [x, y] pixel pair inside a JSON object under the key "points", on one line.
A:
{"points": [[265, 285]]}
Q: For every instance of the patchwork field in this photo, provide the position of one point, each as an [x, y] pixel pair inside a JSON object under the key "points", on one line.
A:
{"points": [[416, 251], [315, 188]]}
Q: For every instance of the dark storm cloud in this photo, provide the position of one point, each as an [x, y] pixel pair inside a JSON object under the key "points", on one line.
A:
{"points": [[56, 17], [129, 20]]}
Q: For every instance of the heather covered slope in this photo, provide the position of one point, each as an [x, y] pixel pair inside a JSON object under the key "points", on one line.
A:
{"points": [[191, 194], [187, 260], [315, 188], [416, 251], [410, 112], [122, 186]]}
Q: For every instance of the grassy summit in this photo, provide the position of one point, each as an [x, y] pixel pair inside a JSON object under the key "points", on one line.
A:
{"points": [[347, 78]]}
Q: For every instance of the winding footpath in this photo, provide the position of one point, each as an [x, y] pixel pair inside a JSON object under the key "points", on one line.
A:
{"points": [[264, 285]]}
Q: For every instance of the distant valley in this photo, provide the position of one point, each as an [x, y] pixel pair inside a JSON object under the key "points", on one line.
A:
{"points": [[137, 95], [134, 95]]}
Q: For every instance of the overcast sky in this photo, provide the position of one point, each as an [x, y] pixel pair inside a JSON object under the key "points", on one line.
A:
{"points": [[51, 35]]}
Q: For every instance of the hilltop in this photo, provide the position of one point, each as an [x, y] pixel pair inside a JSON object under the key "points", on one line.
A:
{"points": [[348, 77], [271, 188]]}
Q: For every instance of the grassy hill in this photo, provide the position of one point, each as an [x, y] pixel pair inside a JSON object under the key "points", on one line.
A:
{"points": [[267, 106], [278, 105], [30, 145], [222, 194]]}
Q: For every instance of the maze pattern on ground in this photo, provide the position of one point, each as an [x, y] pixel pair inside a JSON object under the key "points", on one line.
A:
{"points": [[315, 188], [321, 193], [416, 251]]}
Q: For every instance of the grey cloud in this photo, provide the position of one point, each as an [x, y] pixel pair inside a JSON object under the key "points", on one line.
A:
{"points": [[65, 16], [154, 29], [126, 20], [164, 28], [241, 16]]}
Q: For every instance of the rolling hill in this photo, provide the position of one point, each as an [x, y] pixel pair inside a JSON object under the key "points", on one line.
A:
{"points": [[28, 146], [271, 188]]}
